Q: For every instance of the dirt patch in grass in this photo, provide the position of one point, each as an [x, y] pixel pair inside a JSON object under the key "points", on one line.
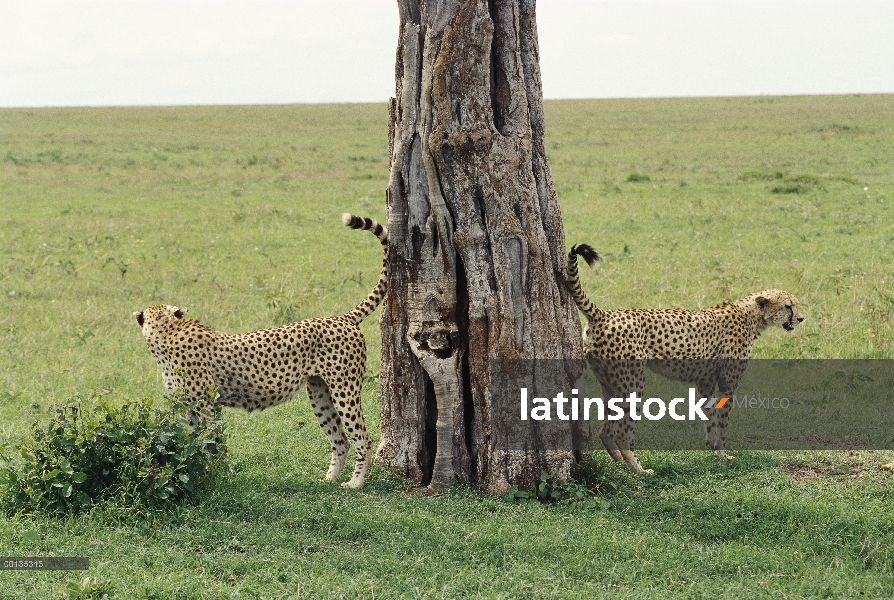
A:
{"points": [[802, 473], [853, 466]]}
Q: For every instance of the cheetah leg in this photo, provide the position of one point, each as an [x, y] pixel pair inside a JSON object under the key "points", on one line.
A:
{"points": [[199, 414], [715, 428], [208, 410], [607, 435], [321, 402], [624, 440], [347, 402], [608, 431], [625, 428], [207, 407]]}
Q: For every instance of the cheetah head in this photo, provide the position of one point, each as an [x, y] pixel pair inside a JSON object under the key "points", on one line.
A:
{"points": [[159, 319], [779, 309]]}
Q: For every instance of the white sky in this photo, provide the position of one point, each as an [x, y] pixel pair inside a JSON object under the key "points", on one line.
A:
{"points": [[151, 52]]}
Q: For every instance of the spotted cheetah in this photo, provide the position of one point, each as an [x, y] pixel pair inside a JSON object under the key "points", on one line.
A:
{"points": [[707, 347], [264, 368]]}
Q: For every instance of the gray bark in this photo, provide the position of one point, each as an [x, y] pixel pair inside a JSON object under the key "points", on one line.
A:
{"points": [[477, 246]]}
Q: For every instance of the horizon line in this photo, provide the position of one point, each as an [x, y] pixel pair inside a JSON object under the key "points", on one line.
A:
{"points": [[367, 102]]}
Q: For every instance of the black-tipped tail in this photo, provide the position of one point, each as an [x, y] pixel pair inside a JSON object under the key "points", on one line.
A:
{"points": [[583, 303], [587, 253], [369, 304], [355, 222]]}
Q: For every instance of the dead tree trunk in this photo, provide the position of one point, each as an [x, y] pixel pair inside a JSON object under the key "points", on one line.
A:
{"points": [[477, 246]]}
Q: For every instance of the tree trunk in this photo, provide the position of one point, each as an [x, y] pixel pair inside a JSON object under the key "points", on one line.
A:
{"points": [[477, 248]]}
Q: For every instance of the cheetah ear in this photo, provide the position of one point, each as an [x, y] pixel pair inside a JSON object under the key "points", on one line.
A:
{"points": [[139, 316], [761, 301], [180, 312]]}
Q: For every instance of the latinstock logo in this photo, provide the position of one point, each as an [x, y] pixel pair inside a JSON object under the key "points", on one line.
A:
{"points": [[769, 405], [653, 409]]}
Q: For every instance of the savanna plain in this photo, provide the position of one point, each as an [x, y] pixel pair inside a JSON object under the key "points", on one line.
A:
{"points": [[234, 212]]}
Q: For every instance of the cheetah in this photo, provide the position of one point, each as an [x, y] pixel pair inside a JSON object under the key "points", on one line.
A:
{"points": [[264, 368], [708, 348]]}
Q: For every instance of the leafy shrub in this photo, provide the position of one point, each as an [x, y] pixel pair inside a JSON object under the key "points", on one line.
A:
{"points": [[791, 184], [790, 189], [140, 454], [90, 588], [761, 176], [638, 178], [800, 184], [550, 490]]}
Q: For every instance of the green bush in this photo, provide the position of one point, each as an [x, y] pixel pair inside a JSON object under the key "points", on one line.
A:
{"points": [[90, 588], [638, 178], [140, 454], [551, 490]]}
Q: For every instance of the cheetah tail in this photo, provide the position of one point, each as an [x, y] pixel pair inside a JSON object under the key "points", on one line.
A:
{"points": [[580, 298], [369, 304]]}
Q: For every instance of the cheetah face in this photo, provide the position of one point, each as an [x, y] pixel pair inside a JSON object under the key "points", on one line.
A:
{"points": [[159, 318], [779, 309]]}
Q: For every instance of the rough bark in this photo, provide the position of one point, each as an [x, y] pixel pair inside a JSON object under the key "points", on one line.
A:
{"points": [[477, 246]]}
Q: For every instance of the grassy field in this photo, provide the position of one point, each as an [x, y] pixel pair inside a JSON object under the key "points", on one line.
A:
{"points": [[234, 212]]}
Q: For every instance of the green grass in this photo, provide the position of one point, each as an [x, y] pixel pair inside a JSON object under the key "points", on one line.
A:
{"points": [[233, 212]]}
